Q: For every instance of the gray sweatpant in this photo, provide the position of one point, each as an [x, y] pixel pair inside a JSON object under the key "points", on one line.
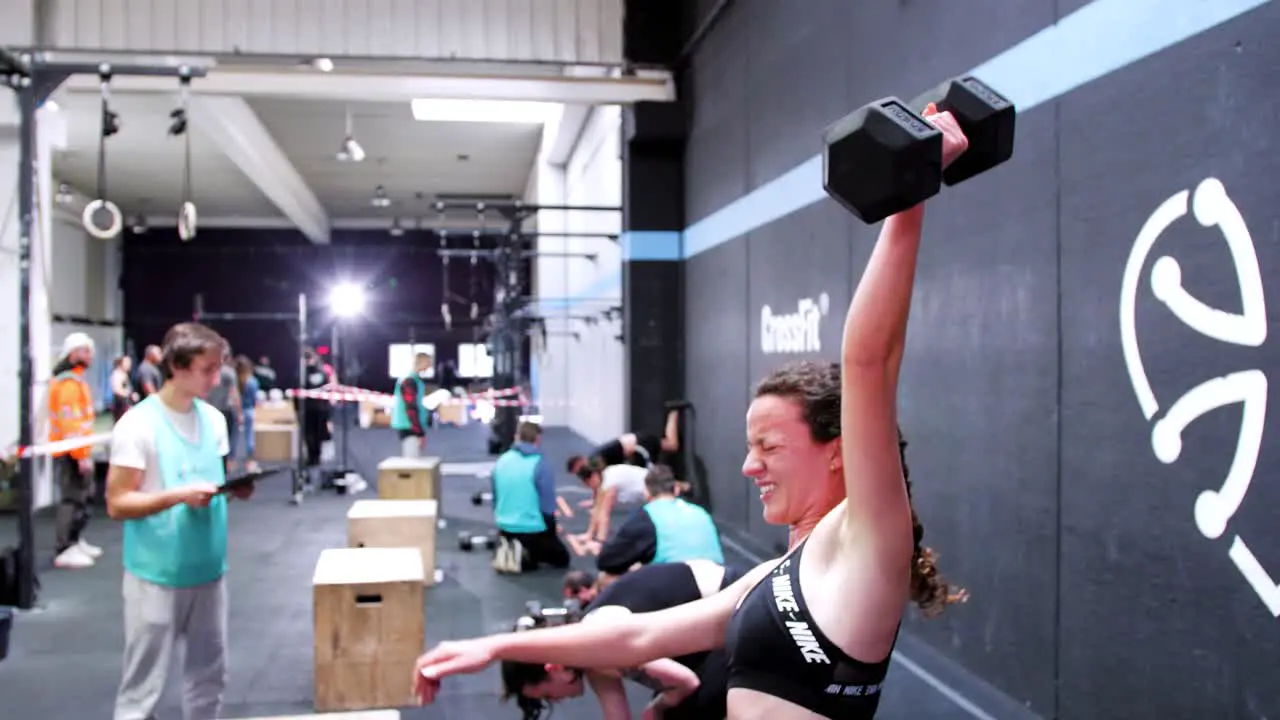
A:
{"points": [[155, 617]]}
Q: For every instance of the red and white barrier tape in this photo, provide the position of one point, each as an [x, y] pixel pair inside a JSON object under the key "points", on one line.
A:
{"points": [[344, 393], [59, 446]]}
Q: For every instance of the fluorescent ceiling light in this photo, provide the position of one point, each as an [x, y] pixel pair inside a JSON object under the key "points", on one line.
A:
{"points": [[501, 111]]}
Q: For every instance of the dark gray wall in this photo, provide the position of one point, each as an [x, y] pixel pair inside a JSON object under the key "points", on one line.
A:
{"points": [[1094, 594]]}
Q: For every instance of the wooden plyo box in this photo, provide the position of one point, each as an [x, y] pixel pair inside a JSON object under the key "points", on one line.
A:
{"points": [[453, 413], [369, 627], [356, 715], [397, 524], [275, 413], [401, 478], [274, 443]]}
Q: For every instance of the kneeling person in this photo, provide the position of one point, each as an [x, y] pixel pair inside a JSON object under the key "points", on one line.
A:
{"points": [[667, 529], [524, 506], [691, 686]]}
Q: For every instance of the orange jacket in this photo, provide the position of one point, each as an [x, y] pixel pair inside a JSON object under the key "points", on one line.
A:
{"points": [[71, 410]]}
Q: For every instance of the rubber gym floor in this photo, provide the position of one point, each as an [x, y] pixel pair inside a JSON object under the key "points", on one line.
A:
{"points": [[64, 659]]}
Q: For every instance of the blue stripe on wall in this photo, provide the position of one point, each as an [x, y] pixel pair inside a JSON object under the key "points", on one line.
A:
{"points": [[651, 245], [1094, 41]]}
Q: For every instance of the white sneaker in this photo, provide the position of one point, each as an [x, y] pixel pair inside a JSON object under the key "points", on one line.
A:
{"points": [[73, 558], [92, 551], [515, 559], [500, 554]]}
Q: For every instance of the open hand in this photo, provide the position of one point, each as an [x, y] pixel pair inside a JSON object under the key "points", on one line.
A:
{"points": [[449, 658], [954, 143]]}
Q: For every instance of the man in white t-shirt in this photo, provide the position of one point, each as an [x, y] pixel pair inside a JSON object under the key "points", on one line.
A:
{"points": [[165, 483], [611, 486]]}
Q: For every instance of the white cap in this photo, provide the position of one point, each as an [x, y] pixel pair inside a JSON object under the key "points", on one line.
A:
{"points": [[75, 341]]}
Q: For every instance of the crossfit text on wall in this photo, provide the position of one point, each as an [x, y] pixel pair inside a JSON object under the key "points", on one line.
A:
{"points": [[795, 332]]}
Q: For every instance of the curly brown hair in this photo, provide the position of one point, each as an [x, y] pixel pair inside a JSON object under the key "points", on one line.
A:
{"points": [[816, 386]]}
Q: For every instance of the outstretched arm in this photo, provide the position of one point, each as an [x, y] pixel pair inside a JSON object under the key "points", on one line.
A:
{"points": [[878, 513], [627, 642]]}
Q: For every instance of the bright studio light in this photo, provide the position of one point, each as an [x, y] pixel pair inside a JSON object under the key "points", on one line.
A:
{"points": [[347, 299], [502, 111]]}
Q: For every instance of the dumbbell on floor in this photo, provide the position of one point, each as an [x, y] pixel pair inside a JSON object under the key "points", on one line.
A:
{"points": [[884, 157], [468, 541], [569, 612]]}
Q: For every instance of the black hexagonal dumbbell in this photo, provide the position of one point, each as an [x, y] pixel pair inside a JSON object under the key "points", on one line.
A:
{"points": [[884, 157]]}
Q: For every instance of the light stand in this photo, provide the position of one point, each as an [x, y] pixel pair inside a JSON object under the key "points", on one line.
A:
{"points": [[346, 301]]}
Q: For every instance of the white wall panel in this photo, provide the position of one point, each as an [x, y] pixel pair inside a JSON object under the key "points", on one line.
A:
{"points": [[84, 284], [580, 367], [17, 22], [568, 31]]}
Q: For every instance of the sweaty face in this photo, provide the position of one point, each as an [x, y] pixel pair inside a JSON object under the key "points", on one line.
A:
{"points": [[202, 376], [561, 684], [791, 470]]}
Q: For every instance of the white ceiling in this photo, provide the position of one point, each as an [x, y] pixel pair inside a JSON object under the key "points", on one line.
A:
{"points": [[145, 164], [404, 155]]}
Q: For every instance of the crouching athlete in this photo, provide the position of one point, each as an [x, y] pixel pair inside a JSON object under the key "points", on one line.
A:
{"points": [[690, 686]]}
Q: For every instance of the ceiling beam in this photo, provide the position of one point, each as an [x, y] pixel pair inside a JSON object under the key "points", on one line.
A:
{"points": [[235, 128], [646, 85]]}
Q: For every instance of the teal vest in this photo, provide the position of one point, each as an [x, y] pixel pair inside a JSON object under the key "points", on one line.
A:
{"points": [[516, 508], [400, 413], [684, 531], [182, 546]]}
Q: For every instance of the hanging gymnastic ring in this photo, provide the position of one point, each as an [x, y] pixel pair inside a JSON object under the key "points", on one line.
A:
{"points": [[187, 217], [112, 229]]}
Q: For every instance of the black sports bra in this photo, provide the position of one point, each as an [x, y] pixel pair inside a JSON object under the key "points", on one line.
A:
{"points": [[776, 648]]}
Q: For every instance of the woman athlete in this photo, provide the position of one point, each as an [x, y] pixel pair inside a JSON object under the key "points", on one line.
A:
{"points": [[813, 640]]}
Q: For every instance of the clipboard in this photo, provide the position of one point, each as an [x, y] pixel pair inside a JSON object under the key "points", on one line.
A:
{"points": [[245, 480]]}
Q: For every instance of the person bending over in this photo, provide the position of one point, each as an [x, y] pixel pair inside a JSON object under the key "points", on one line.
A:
{"points": [[641, 450], [524, 506], [409, 415], [824, 450], [667, 529], [690, 686], [610, 486], [163, 483]]}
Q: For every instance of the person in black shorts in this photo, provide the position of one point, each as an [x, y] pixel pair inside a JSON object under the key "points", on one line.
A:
{"points": [[690, 686], [634, 449]]}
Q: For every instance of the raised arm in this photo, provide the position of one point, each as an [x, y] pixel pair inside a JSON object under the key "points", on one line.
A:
{"points": [[878, 512], [631, 641]]}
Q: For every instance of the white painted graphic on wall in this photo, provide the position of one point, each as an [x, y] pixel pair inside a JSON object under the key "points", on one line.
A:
{"points": [[794, 332], [1214, 509]]}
